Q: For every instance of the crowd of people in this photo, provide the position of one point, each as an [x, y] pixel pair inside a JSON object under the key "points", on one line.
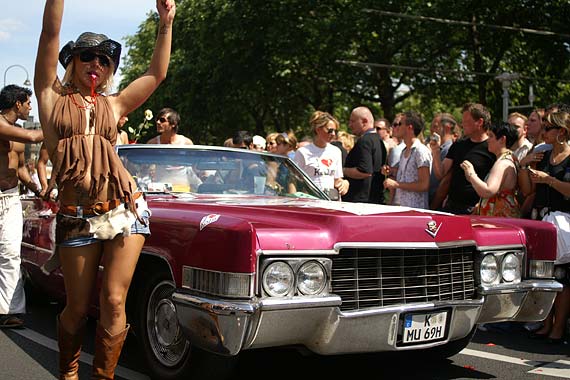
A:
{"points": [[519, 169]]}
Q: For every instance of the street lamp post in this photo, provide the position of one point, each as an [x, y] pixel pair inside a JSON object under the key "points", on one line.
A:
{"points": [[26, 82]]}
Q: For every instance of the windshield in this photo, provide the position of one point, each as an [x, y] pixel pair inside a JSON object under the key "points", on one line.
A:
{"points": [[209, 170]]}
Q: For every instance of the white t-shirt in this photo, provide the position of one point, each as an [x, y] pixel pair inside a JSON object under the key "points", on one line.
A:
{"points": [[323, 165]]}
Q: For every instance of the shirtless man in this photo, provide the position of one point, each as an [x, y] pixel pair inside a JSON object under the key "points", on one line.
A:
{"points": [[167, 122], [14, 104]]}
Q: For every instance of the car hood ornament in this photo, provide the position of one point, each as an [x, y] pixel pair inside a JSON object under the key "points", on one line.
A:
{"points": [[433, 228]]}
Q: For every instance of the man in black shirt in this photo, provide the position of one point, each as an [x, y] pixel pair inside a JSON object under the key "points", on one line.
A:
{"points": [[365, 160], [462, 197]]}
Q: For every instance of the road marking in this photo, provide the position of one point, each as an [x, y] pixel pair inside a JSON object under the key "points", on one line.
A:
{"points": [[86, 358], [559, 368]]}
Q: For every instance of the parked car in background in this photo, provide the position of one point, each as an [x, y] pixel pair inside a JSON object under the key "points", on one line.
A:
{"points": [[246, 252]]}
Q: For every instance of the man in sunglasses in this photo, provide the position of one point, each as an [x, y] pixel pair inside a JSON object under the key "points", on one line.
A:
{"points": [[167, 123], [384, 130]]}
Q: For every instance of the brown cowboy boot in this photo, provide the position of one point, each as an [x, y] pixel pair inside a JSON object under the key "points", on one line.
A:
{"points": [[107, 351], [69, 351]]}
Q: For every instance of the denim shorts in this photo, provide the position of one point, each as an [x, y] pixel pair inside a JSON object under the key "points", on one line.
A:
{"points": [[83, 237]]}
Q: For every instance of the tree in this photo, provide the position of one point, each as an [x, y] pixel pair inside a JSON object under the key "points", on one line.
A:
{"points": [[265, 66]]}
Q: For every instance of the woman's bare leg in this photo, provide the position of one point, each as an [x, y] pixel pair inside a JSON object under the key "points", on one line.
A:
{"points": [[80, 266], [561, 311], [120, 258]]}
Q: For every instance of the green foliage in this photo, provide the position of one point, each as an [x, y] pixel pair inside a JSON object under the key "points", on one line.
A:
{"points": [[265, 66]]}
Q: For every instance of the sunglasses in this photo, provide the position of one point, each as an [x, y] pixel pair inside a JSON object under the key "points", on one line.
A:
{"points": [[88, 56], [550, 127], [397, 124], [162, 119], [331, 131], [380, 129]]}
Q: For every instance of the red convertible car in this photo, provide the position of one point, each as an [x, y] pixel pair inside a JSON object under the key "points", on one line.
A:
{"points": [[246, 253]]}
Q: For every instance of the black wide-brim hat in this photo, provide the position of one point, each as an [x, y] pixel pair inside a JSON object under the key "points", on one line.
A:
{"points": [[91, 41]]}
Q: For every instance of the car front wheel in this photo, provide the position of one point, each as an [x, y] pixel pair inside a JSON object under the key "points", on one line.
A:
{"points": [[168, 353]]}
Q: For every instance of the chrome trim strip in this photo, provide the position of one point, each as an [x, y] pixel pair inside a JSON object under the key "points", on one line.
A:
{"points": [[213, 305], [299, 302], [501, 247], [298, 252], [28, 245], [527, 285], [372, 245], [413, 306], [460, 243], [379, 245], [404, 244]]}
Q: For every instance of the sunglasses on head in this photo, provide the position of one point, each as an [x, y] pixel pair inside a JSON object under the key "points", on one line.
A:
{"points": [[162, 119], [88, 56]]}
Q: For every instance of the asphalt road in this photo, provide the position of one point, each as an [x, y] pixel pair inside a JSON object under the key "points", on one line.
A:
{"points": [[503, 353]]}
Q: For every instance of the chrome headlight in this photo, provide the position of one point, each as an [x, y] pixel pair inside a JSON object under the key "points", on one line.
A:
{"points": [[311, 278], [510, 268], [489, 270], [278, 279]]}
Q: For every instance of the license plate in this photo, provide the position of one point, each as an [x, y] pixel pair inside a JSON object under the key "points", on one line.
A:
{"points": [[424, 327]]}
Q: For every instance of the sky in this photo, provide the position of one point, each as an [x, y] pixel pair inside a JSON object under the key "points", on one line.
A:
{"points": [[21, 22]]}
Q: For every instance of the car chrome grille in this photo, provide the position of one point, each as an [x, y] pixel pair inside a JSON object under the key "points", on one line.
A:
{"points": [[367, 278]]}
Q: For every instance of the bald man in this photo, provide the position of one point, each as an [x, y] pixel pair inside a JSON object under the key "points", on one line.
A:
{"points": [[365, 160]]}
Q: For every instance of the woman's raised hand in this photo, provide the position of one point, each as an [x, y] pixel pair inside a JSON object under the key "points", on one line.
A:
{"points": [[166, 9]]}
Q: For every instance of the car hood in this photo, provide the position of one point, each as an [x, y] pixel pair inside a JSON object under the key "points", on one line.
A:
{"points": [[306, 224]]}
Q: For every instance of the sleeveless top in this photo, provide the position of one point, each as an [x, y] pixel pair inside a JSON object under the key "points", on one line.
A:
{"points": [[504, 203], [96, 173]]}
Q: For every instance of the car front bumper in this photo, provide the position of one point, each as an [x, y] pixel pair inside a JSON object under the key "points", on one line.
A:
{"points": [[227, 326], [527, 301]]}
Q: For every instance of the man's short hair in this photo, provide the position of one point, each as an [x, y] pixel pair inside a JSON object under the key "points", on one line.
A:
{"points": [[478, 111], [416, 120], [172, 116], [242, 138], [12, 94]]}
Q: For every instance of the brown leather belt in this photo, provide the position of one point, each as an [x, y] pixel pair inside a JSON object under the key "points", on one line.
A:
{"points": [[98, 208]]}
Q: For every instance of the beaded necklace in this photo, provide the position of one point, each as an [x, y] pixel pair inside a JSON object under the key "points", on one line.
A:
{"points": [[88, 104]]}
